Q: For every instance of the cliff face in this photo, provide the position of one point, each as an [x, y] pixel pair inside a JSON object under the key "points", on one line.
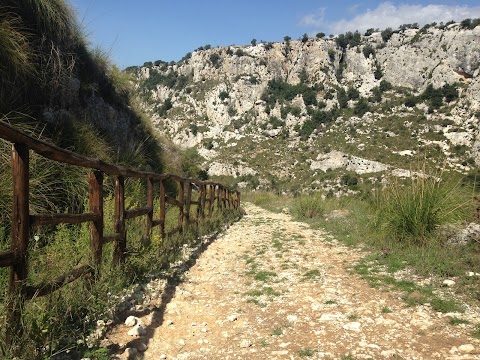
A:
{"points": [[420, 88]]}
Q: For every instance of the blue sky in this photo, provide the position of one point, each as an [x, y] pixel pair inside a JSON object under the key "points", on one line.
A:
{"points": [[147, 30]]}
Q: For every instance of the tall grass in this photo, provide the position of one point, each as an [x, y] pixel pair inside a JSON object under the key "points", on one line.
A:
{"points": [[414, 211], [53, 19], [54, 323], [309, 206], [15, 57]]}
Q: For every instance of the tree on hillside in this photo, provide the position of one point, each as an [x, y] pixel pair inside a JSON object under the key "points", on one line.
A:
{"points": [[253, 42], [368, 50], [320, 35], [287, 45], [215, 60], [387, 34], [304, 38]]}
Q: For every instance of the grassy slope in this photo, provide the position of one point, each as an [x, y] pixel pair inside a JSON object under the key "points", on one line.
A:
{"points": [[397, 256], [43, 53]]}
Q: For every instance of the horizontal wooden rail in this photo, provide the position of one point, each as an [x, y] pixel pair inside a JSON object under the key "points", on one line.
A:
{"points": [[158, 222], [56, 153], [45, 289], [55, 219], [7, 258], [173, 202], [109, 238], [130, 214]]}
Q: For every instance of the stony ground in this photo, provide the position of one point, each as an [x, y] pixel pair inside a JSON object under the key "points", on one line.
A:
{"points": [[272, 288]]}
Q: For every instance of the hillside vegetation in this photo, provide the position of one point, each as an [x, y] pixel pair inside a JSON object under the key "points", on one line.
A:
{"points": [[54, 86], [302, 115], [388, 118]]}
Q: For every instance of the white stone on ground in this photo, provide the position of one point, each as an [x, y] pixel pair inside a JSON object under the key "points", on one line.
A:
{"points": [[137, 330], [448, 282], [245, 343], [466, 348], [232, 318], [130, 321], [353, 326]]}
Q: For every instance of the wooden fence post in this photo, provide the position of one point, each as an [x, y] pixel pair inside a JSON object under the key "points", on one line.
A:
{"points": [[162, 209], [238, 199], [20, 239], [203, 195], [219, 197], [181, 199], [211, 199], [188, 202], [150, 206], [95, 187], [121, 242]]}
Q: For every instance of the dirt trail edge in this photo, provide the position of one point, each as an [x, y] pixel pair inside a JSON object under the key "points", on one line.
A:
{"points": [[272, 288]]}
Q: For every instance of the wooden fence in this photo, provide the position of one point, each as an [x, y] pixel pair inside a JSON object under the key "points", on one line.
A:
{"points": [[211, 196]]}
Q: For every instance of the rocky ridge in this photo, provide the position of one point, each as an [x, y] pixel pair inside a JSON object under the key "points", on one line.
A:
{"points": [[222, 101]]}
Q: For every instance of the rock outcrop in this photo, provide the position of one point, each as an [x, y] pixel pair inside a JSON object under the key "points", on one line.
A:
{"points": [[242, 100]]}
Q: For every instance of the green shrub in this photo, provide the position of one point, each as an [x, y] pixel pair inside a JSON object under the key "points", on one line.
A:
{"points": [[376, 94], [215, 60], [361, 107], [410, 101], [450, 92], [368, 50], [349, 180], [348, 39], [193, 129], [331, 54], [294, 110], [170, 79], [385, 85], [378, 73], [352, 93], [470, 23], [387, 34], [342, 98], [276, 122], [413, 212], [281, 90], [309, 206], [317, 118], [163, 109], [267, 46], [223, 95]]}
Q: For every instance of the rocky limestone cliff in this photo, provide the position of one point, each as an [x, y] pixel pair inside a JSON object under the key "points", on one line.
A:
{"points": [[223, 102]]}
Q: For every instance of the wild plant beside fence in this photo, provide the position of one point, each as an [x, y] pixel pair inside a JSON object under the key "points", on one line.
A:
{"points": [[63, 266]]}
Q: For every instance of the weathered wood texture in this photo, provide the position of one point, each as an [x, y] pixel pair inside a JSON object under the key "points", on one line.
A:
{"points": [[22, 221]]}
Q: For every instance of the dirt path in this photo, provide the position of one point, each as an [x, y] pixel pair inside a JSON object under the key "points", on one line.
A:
{"points": [[271, 288]]}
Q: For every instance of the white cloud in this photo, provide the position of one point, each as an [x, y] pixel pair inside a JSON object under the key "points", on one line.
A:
{"points": [[388, 14], [314, 20]]}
